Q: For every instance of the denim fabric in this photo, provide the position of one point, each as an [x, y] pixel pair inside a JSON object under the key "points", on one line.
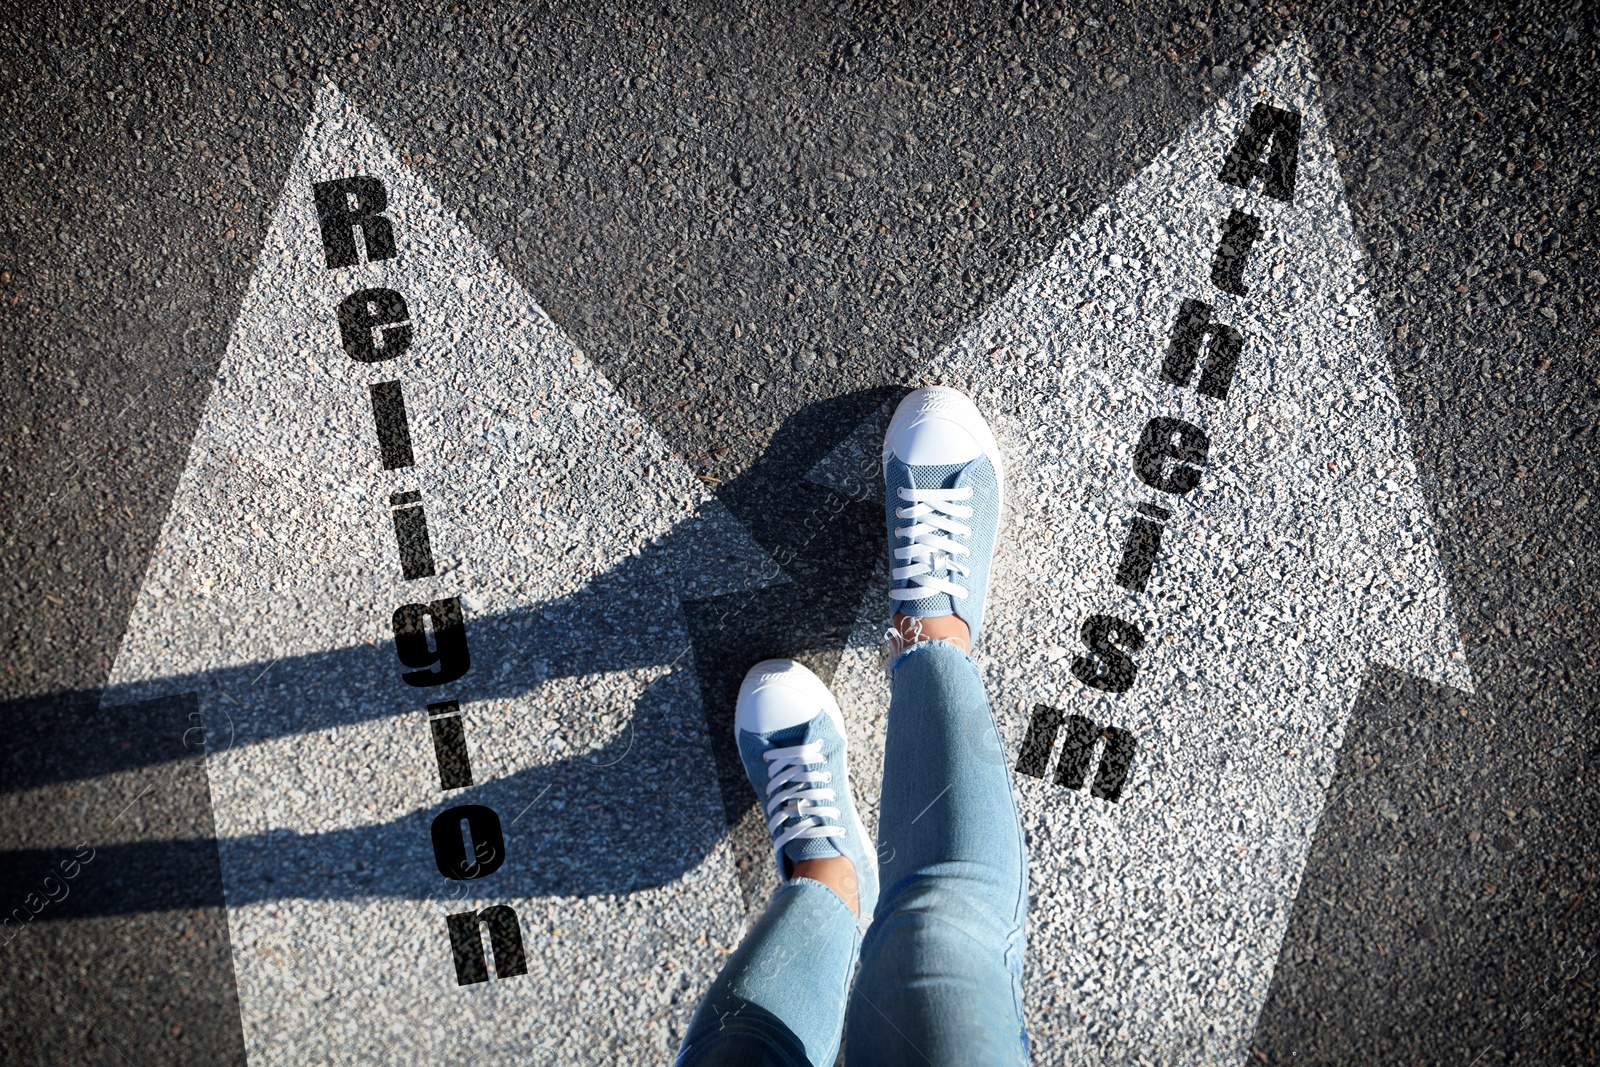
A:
{"points": [[780, 997], [941, 968], [940, 978]]}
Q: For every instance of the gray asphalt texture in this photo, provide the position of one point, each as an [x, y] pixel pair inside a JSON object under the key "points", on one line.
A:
{"points": [[759, 221]]}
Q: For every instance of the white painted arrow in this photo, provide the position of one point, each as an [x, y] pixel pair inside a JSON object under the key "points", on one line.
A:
{"points": [[1305, 552], [568, 530]]}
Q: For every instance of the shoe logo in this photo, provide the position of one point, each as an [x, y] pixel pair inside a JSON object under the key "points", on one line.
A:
{"points": [[938, 403]]}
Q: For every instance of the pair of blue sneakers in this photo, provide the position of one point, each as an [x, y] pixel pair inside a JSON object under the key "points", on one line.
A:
{"points": [[945, 483]]}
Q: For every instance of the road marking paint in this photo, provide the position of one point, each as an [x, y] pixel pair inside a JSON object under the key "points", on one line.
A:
{"points": [[398, 425], [1216, 523]]}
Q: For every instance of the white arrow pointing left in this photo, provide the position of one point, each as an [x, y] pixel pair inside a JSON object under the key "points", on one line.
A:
{"points": [[568, 532]]}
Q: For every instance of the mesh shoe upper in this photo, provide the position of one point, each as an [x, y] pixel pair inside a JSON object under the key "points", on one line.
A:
{"points": [[791, 739], [980, 476]]}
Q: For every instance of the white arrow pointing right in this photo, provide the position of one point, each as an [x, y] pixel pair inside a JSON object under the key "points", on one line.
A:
{"points": [[1284, 544]]}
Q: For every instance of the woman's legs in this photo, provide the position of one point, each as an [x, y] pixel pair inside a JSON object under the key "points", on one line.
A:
{"points": [[780, 999], [941, 967]]}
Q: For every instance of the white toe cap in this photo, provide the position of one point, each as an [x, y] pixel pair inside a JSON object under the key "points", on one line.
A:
{"points": [[937, 426], [779, 693]]}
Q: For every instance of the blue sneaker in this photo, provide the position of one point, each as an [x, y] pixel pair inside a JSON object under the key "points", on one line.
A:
{"points": [[945, 482], [791, 737]]}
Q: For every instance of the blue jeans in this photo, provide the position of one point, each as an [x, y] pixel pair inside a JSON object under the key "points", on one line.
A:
{"points": [[940, 980]]}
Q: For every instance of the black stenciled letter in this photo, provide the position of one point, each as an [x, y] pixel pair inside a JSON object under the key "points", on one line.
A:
{"points": [[346, 203], [505, 938], [1245, 163], [1043, 725], [1073, 766], [1140, 550], [1115, 760], [1110, 669], [1167, 438], [450, 745], [370, 316], [1194, 325], [450, 848], [394, 430], [1239, 235], [442, 660], [411, 533]]}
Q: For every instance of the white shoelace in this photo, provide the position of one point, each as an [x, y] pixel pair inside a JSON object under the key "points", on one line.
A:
{"points": [[934, 513], [793, 792]]}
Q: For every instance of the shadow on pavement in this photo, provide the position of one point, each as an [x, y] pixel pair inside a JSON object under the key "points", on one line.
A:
{"points": [[587, 824]]}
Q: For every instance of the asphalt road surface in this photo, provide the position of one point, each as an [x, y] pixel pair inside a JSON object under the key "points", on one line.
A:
{"points": [[757, 226]]}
